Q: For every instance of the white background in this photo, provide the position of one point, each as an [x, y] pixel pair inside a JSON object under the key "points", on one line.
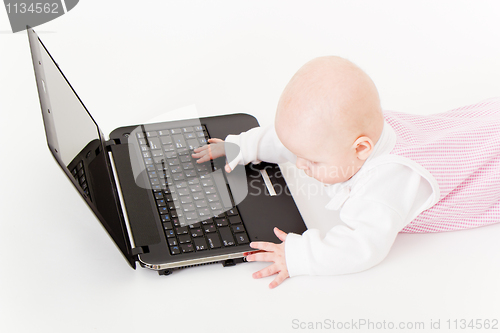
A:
{"points": [[131, 61]]}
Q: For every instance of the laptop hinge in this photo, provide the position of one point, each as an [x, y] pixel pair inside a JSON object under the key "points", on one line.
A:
{"points": [[111, 142], [139, 250]]}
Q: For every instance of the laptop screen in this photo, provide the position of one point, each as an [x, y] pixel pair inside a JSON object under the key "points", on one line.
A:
{"points": [[77, 144]]}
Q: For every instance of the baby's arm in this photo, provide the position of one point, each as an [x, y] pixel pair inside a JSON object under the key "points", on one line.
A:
{"points": [[255, 145]]}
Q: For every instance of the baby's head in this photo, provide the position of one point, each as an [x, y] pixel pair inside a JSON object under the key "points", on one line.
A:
{"points": [[329, 115]]}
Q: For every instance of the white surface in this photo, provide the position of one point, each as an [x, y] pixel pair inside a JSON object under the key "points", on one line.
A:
{"points": [[132, 61]]}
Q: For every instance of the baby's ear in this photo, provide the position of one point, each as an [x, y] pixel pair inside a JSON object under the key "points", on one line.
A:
{"points": [[364, 147]]}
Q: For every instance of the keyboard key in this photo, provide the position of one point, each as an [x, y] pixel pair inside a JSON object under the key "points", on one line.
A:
{"points": [[212, 197], [200, 244], [238, 228], [221, 222], [191, 216], [190, 173], [175, 169], [169, 233], [207, 182], [201, 203], [162, 133], [172, 242], [195, 225], [213, 240], [167, 225], [156, 153], [197, 232], [175, 250], [184, 158], [181, 230], [198, 196], [242, 238], [181, 185], [170, 154], [204, 212], [166, 140], [209, 228], [187, 166], [234, 219], [192, 143], [173, 161], [175, 131], [182, 191], [201, 167], [186, 199], [215, 206], [187, 248], [179, 141], [154, 143], [183, 151], [195, 188], [183, 239], [178, 176], [169, 148], [227, 236], [210, 190], [207, 221]]}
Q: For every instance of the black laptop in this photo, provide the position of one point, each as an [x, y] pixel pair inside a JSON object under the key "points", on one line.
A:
{"points": [[160, 207]]}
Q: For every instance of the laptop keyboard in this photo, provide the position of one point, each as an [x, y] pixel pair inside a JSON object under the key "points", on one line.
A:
{"points": [[78, 173], [195, 215]]}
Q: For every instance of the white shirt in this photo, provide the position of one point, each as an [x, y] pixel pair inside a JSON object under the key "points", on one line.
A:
{"points": [[384, 196]]}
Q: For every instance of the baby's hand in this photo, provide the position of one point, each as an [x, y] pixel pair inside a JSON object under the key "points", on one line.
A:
{"points": [[272, 252], [210, 152]]}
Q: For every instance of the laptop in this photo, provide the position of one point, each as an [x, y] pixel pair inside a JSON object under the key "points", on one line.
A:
{"points": [[162, 209]]}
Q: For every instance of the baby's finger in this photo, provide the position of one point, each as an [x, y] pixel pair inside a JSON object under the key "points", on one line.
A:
{"points": [[199, 154], [266, 246], [280, 234], [200, 149], [215, 140], [268, 271], [204, 158], [278, 280], [261, 256]]}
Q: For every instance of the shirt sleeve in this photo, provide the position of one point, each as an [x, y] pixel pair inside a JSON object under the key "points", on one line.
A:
{"points": [[259, 144], [373, 215]]}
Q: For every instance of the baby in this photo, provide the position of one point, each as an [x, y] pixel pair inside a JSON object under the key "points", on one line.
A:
{"points": [[387, 172]]}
